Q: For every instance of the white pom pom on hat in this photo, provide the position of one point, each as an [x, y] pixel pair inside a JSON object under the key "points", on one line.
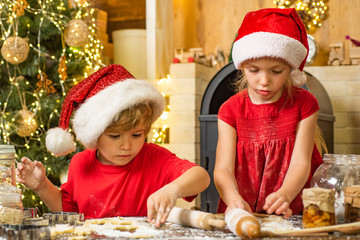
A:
{"points": [[273, 32], [96, 102], [59, 141]]}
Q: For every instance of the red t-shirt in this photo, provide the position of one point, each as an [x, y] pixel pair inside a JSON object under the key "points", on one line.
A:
{"points": [[265, 141], [100, 190]]}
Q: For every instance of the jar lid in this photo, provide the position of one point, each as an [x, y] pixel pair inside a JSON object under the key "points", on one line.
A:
{"points": [[7, 151], [352, 195], [10, 197], [354, 189], [342, 158], [318, 194], [6, 187], [351, 192], [322, 197], [354, 158], [7, 148]]}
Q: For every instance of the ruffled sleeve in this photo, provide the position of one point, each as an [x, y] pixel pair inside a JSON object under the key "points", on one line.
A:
{"points": [[229, 110], [309, 104]]}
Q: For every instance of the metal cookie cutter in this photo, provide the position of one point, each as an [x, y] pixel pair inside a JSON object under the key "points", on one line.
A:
{"points": [[20, 231], [71, 218]]}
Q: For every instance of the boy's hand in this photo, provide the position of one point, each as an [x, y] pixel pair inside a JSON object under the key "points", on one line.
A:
{"points": [[239, 204], [159, 205], [31, 174], [278, 203]]}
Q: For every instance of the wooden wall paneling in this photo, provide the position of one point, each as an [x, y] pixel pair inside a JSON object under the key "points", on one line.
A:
{"points": [[343, 19], [159, 31], [123, 14], [212, 23], [185, 24]]}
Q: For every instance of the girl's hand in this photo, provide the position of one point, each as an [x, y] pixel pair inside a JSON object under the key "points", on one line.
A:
{"points": [[31, 174], [277, 202], [239, 204], [159, 205]]}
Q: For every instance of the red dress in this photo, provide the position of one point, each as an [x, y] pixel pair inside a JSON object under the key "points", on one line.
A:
{"points": [[99, 190], [266, 137]]}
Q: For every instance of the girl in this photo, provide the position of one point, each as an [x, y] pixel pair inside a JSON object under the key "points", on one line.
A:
{"points": [[265, 153]]}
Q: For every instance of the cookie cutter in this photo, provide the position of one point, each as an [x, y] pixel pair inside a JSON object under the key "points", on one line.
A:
{"points": [[30, 213], [71, 218], [39, 221], [22, 232]]}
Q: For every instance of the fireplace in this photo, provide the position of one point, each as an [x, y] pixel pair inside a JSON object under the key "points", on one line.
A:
{"points": [[217, 92]]}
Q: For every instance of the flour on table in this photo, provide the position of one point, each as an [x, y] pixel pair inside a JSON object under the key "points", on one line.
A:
{"points": [[109, 227], [276, 224]]}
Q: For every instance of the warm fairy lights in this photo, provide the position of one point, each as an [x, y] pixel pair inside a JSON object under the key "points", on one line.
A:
{"points": [[91, 51], [160, 131], [22, 108], [312, 12]]}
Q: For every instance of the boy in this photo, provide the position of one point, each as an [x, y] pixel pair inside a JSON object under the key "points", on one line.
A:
{"points": [[118, 174]]}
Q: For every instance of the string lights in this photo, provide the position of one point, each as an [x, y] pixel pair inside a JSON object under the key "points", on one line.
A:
{"points": [[37, 68], [160, 130], [312, 12]]}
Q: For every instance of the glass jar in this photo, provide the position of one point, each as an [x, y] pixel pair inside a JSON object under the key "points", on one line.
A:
{"points": [[352, 203], [7, 164], [319, 208], [11, 207], [353, 176], [337, 171]]}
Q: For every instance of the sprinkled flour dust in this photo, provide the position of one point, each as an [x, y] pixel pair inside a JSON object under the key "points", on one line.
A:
{"points": [[137, 227], [276, 224]]}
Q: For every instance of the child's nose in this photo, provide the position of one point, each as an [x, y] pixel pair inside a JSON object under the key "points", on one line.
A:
{"points": [[265, 79], [125, 145]]}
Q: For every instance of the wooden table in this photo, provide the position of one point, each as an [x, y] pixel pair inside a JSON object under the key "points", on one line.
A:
{"points": [[177, 232], [170, 232]]}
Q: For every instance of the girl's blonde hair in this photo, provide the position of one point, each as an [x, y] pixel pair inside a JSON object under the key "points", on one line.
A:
{"points": [[240, 84], [130, 118]]}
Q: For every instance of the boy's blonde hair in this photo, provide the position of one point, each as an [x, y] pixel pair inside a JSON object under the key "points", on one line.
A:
{"points": [[130, 118], [241, 84]]}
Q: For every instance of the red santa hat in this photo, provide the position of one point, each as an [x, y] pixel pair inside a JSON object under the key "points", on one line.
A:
{"points": [[273, 32], [96, 102]]}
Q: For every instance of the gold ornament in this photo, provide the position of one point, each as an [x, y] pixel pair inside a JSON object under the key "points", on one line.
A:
{"points": [[76, 33], [15, 50], [26, 123], [45, 84], [19, 7]]}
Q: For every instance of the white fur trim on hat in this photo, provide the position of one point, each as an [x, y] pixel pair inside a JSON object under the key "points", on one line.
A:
{"points": [[266, 44], [98, 112], [59, 141]]}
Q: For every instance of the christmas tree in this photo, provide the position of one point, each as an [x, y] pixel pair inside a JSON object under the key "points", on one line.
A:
{"points": [[46, 47]]}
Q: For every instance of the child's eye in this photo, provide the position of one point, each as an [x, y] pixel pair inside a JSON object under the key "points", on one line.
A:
{"points": [[277, 71], [137, 135], [253, 70], [114, 136]]}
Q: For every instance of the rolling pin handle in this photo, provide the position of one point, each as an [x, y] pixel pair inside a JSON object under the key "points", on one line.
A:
{"points": [[219, 223]]}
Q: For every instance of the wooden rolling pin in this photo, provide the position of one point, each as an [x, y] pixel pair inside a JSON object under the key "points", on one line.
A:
{"points": [[242, 223], [195, 219]]}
